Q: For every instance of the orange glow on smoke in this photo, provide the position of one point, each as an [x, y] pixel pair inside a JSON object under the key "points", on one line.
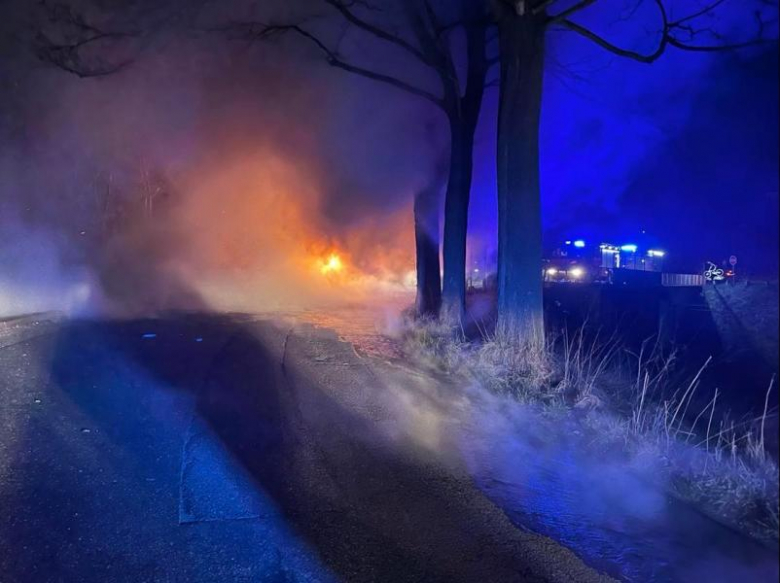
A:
{"points": [[253, 236]]}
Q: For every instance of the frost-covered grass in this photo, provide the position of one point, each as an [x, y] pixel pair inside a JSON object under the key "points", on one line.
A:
{"points": [[630, 401]]}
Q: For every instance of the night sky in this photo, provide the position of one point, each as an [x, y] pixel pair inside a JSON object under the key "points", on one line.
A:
{"points": [[685, 149]]}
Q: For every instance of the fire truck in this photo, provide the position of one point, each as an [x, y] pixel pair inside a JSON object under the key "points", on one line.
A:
{"points": [[577, 261]]}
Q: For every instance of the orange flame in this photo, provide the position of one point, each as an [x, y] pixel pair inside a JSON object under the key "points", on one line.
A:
{"points": [[261, 242], [332, 264]]}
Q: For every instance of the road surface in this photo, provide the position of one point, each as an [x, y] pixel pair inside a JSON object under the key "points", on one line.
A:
{"points": [[216, 448]]}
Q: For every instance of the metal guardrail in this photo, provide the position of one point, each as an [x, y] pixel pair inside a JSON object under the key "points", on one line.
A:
{"points": [[682, 280]]}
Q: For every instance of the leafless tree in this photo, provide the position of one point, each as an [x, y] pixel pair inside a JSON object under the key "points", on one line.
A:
{"points": [[523, 25], [425, 39]]}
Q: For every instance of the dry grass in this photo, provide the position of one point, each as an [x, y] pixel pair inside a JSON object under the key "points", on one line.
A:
{"points": [[631, 401], [724, 469]]}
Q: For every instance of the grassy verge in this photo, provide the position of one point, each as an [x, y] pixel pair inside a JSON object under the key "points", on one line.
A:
{"points": [[629, 402]]}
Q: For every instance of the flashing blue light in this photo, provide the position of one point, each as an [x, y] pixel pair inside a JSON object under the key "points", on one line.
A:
{"points": [[579, 243], [629, 248]]}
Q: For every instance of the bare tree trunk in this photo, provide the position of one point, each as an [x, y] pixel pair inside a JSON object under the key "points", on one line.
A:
{"points": [[426, 236], [521, 39], [463, 124], [456, 210], [427, 208]]}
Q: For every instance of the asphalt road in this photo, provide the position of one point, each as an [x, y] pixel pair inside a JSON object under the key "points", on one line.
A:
{"points": [[219, 448]]}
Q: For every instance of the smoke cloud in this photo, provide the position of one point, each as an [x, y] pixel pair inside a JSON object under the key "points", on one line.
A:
{"points": [[211, 173]]}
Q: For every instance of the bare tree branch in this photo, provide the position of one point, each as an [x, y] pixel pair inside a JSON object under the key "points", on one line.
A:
{"points": [[69, 36], [68, 59], [605, 44], [431, 47], [261, 31], [542, 6], [668, 34], [706, 9], [581, 5], [424, 25], [715, 48], [388, 79], [379, 32], [432, 16]]}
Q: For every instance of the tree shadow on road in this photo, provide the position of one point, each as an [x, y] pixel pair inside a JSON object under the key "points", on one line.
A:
{"points": [[369, 511]]}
